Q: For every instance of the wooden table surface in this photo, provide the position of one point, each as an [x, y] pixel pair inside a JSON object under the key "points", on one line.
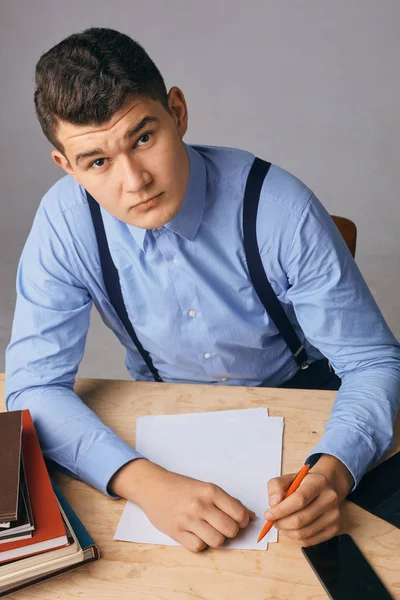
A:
{"points": [[146, 572]]}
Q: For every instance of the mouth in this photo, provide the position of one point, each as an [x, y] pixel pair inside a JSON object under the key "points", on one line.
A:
{"points": [[147, 203]]}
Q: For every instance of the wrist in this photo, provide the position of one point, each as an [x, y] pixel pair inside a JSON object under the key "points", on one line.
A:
{"points": [[124, 482], [336, 473], [133, 480]]}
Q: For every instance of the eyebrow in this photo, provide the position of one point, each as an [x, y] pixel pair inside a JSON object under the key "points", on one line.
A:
{"points": [[128, 135]]}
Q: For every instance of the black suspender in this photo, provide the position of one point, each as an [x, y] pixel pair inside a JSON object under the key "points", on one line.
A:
{"points": [[112, 284], [257, 273], [258, 277]]}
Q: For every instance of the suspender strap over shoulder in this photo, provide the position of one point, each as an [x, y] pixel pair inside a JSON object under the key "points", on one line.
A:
{"points": [[112, 282], [258, 277]]}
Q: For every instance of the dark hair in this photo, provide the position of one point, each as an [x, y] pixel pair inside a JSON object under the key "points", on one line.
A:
{"points": [[89, 76]]}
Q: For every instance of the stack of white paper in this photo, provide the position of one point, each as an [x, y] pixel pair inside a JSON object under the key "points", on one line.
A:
{"points": [[239, 450]]}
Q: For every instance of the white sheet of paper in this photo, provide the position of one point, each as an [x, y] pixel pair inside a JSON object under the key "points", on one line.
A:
{"points": [[239, 450]]}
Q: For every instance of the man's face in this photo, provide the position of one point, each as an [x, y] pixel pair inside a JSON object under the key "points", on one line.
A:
{"points": [[138, 168]]}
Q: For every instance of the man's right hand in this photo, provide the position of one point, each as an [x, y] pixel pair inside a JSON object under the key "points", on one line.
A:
{"points": [[194, 513]]}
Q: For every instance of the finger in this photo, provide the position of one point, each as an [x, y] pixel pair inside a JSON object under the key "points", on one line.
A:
{"points": [[322, 523], [208, 534], [191, 542], [323, 536], [310, 488], [277, 488], [322, 504], [222, 522], [231, 507]]}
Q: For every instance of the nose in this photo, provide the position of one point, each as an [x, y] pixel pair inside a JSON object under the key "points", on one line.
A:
{"points": [[134, 175]]}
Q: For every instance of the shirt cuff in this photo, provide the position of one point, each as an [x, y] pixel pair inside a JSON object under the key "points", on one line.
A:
{"points": [[103, 459], [350, 447]]}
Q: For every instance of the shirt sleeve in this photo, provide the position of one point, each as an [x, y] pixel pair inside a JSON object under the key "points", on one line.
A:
{"points": [[339, 316], [48, 337]]}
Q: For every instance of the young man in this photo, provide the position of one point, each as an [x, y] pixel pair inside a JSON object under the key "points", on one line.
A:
{"points": [[172, 216]]}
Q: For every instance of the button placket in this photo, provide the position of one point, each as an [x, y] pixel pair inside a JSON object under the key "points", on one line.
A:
{"points": [[187, 294]]}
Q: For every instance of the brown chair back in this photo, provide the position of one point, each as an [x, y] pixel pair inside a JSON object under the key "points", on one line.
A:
{"points": [[348, 230]]}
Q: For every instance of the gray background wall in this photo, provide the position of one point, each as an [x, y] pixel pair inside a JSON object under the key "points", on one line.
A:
{"points": [[312, 85]]}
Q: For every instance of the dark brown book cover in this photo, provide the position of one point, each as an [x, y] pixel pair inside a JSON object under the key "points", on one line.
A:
{"points": [[10, 452]]}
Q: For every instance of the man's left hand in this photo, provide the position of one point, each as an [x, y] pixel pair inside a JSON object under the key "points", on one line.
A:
{"points": [[311, 513]]}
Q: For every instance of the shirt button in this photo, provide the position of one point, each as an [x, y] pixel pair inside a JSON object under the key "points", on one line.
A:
{"points": [[192, 313], [174, 261], [224, 379], [207, 355]]}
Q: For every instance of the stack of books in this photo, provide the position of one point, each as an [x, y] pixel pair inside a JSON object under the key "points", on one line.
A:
{"points": [[40, 534]]}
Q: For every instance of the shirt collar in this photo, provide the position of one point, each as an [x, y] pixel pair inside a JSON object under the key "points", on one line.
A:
{"points": [[187, 222]]}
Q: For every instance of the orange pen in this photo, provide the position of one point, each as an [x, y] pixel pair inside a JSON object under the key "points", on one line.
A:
{"points": [[292, 488]]}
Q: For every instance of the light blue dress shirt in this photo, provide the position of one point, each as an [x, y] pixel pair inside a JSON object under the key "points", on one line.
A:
{"points": [[190, 300]]}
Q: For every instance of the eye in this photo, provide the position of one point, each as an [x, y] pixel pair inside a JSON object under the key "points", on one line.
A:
{"points": [[144, 138], [95, 165]]}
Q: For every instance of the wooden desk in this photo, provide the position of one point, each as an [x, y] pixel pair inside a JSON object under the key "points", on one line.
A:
{"points": [[145, 572]]}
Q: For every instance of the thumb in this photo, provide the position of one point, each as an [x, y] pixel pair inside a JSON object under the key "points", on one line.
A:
{"points": [[277, 488]]}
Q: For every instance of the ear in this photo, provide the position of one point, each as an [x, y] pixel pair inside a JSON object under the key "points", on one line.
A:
{"points": [[63, 162], [178, 108]]}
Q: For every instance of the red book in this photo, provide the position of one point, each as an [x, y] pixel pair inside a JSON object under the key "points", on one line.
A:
{"points": [[49, 527]]}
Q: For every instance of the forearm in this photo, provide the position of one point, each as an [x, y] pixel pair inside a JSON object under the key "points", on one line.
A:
{"points": [[72, 435]]}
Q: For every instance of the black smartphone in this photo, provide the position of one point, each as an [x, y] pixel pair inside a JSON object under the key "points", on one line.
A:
{"points": [[379, 491], [344, 572]]}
